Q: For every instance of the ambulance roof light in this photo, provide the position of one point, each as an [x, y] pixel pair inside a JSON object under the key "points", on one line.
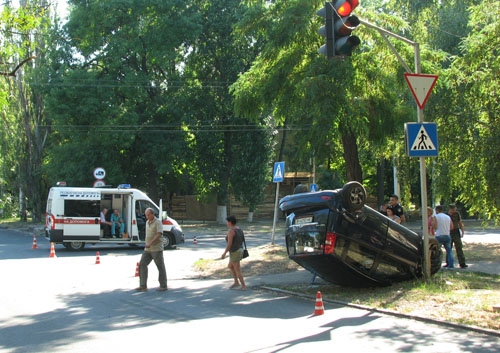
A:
{"points": [[61, 183], [124, 186]]}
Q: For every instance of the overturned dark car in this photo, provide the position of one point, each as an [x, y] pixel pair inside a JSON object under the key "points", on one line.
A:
{"points": [[334, 235]]}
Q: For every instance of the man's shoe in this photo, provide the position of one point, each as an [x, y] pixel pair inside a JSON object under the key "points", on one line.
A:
{"points": [[464, 266], [161, 289], [445, 266], [141, 289]]}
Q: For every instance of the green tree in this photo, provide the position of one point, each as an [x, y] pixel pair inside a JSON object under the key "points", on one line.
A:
{"points": [[330, 109], [112, 97], [24, 31], [251, 175], [217, 57], [469, 159]]}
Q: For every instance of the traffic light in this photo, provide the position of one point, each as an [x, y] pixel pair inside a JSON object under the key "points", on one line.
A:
{"points": [[339, 23], [327, 30], [344, 24]]}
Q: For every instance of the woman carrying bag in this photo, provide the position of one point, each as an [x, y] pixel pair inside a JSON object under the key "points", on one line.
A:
{"points": [[235, 239]]}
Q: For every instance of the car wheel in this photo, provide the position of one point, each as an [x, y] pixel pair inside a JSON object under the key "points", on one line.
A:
{"points": [[168, 241], [435, 254], [354, 196], [74, 245]]}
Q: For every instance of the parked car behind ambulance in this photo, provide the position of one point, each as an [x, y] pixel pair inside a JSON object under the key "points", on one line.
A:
{"points": [[73, 216]]}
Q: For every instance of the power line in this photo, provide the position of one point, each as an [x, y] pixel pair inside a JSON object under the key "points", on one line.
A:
{"points": [[151, 129]]}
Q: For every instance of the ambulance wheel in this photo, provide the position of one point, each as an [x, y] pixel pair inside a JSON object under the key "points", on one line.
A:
{"points": [[168, 241], [74, 245]]}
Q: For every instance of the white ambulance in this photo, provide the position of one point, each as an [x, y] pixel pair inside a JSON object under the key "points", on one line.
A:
{"points": [[73, 217]]}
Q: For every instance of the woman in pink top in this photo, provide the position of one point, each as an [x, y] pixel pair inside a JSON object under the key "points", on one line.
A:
{"points": [[430, 222]]}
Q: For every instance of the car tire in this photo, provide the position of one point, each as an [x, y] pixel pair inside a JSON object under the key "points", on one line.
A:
{"points": [[74, 245], [353, 196], [168, 241], [435, 255]]}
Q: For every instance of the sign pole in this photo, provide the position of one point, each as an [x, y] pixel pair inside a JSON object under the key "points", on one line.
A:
{"points": [[278, 177], [420, 115], [275, 211], [423, 183]]}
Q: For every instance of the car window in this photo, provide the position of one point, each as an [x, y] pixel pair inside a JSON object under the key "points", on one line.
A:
{"points": [[354, 254], [389, 268], [81, 208]]}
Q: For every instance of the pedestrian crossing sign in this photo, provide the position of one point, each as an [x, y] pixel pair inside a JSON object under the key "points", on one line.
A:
{"points": [[279, 172], [421, 139]]}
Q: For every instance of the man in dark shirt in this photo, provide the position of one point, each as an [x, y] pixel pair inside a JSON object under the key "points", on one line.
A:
{"points": [[396, 207], [456, 234]]}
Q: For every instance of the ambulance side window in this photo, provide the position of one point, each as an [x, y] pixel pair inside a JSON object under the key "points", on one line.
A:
{"points": [[81, 208], [142, 205]]}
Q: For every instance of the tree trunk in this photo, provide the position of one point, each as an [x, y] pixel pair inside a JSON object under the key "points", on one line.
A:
{"points": [[380, 181], [351, 157], [221, 214], [22, 205], [223, 192]]}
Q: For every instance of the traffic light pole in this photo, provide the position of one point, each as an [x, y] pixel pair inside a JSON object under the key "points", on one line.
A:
{"points": [[420, 115]]}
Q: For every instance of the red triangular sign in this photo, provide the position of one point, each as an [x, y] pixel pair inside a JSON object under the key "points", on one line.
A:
{"points": [[421, 86]]}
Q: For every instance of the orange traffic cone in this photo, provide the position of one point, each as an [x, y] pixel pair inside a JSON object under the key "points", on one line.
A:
{"points": [[137, 270], [35, 245], [97, 258], [319, 309], [52, 250], [195, 241]]}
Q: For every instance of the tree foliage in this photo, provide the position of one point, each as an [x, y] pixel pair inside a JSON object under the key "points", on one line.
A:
{"points": [[114, 93], [224, 145], [470, 159], [200, 96], [22, 141]]}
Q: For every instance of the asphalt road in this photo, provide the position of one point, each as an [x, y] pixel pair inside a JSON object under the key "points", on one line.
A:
{"points": [[71, 304]]}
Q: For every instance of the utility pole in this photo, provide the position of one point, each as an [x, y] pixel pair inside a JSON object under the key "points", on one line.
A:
{"points": [[420, 116]]}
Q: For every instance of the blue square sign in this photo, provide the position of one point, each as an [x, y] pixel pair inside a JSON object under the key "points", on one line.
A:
{"points": [[421, 139], [279, 172]]}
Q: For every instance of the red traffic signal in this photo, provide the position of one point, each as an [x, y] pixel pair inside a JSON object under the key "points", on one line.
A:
{"points": [[345, 7], [339, 23], [344, 24]]}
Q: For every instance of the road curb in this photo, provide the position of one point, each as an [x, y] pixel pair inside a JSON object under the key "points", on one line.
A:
{"points": [[388, 312]]}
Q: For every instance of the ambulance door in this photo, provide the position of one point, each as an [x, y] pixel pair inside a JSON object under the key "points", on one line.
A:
{"points": [[140, 217], [129, 215], [81, 220], [120, 200]]}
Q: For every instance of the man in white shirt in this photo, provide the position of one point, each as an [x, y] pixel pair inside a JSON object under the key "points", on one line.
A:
{"points": [[105, 225], [443, 225]]}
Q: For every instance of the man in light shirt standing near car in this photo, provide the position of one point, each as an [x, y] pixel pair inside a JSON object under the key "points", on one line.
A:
{"points": [[153, 250], [443, 225]]}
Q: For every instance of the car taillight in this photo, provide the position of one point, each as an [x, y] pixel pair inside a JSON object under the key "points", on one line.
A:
{"points": [[50, 221], [330, 240]]}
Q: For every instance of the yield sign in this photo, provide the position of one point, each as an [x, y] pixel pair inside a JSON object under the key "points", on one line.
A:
{"points": [[421, 86]]}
